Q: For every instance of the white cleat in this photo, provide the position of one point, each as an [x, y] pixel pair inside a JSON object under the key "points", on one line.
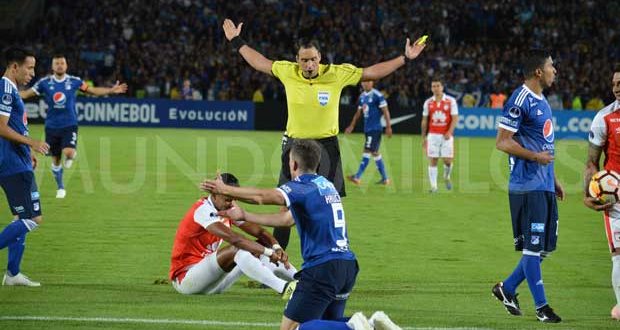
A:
{"points": [[68, 163], [19, 279], [61, 193], [380, 321], [359, 322]]}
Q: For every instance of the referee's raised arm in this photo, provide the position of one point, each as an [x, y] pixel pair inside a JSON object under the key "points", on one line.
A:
{"points": [[380, 70], [250, 55]]}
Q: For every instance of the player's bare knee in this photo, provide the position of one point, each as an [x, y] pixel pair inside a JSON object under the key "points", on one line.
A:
{"points": [[38, 220]]}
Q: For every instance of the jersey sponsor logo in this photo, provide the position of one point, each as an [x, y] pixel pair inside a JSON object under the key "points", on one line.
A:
{"points": [[323, 98], [514, 112], [7, 99], [538, 227], [59, 98], [439, 117], [365, 109], [548, 130], [325, 187]]}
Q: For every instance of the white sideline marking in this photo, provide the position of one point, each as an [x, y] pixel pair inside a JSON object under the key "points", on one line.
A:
{"points": [[168, 321]]}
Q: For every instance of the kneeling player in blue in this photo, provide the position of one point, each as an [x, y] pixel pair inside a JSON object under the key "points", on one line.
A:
{"points": [[61, 124], [526, 134], [16, 164], [330, 268], [373, 105]]}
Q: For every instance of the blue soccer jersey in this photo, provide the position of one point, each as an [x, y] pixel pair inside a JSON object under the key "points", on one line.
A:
{"points": [[529, 116], [14, 157], [60, 96], [319, 217], [371, 103]]}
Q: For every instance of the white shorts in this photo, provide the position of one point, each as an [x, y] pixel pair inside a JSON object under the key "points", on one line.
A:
{"points": [[612, 227], [206, 277], [438, 147]]}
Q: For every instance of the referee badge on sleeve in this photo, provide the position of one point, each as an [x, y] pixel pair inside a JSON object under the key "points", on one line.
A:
{"points": [[323, 98]]}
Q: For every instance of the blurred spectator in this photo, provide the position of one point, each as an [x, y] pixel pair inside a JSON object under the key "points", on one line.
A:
{"points": [[497, 100], [187, 92], [576, 105], [555, 101], [595, 103]]}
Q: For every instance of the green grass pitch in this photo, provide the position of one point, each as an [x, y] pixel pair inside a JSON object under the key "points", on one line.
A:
{"points": [[428, 260]]}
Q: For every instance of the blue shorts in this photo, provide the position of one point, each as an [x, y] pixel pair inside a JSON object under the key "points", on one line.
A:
{"points": [[60, 138], [322, 291], [534, 220], [22, 194], [373, 141]]}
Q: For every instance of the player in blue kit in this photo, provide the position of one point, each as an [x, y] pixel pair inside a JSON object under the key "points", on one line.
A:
{"points": [[526, 134], [329, 266], [16, 164], [61, 125], [373, 106]]}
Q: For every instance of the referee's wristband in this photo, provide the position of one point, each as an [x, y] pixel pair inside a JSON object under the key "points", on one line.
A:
{"points": [[237, 42], [268, 252], [276, 247]]}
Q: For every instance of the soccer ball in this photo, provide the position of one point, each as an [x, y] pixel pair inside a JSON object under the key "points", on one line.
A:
{"points": [[604, 186]]}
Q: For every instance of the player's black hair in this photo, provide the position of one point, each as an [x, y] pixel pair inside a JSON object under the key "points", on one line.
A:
{"points": [[437, 78], [534, 59], [230, 179], [307, 43], [307, 153], [617, 67], [59, 54], [15, 55]]}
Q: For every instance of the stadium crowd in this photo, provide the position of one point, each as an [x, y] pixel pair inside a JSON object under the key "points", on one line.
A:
{"points": [[161, 49]]}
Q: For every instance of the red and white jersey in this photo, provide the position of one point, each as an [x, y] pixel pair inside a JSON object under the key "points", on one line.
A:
{"points": [[605, 133], [440, 113], [193, 241]]}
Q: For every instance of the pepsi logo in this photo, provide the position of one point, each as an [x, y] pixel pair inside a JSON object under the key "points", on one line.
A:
{"points": [[60, 98], [548, 130]]}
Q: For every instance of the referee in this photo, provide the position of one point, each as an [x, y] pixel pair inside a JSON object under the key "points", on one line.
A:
{"points": [[312, 97]]}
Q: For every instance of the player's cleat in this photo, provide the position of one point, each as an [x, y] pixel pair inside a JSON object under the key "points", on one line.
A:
{"points": [[546, 314], [380, 321], [19, 279], [289, 288], [61, 193], [615, 313], [68, 162], [385, 182], [511, 303], [359, 322], [448, 184], [355, 180]]}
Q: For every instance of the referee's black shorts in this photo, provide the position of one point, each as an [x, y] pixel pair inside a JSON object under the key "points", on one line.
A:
{"points": [[329, 167]]}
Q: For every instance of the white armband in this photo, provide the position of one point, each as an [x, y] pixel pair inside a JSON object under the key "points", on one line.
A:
{"points": [[268, 252]]}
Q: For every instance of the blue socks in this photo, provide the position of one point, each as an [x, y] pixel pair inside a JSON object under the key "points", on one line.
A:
{"points": [[528, 268], [16, 252], [515, 279], [12, 232], [381, 167], [324, 324], [57, 171], [363, 165], [533, 274]]}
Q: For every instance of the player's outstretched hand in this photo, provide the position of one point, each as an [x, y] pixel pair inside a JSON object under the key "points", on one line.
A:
{"points": [[543, 157], [119, 88], [234, 213], [213, 186], [413, 50], [282, 257], [40, 146], [388, 132], [230, 30], [594, 203]]}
